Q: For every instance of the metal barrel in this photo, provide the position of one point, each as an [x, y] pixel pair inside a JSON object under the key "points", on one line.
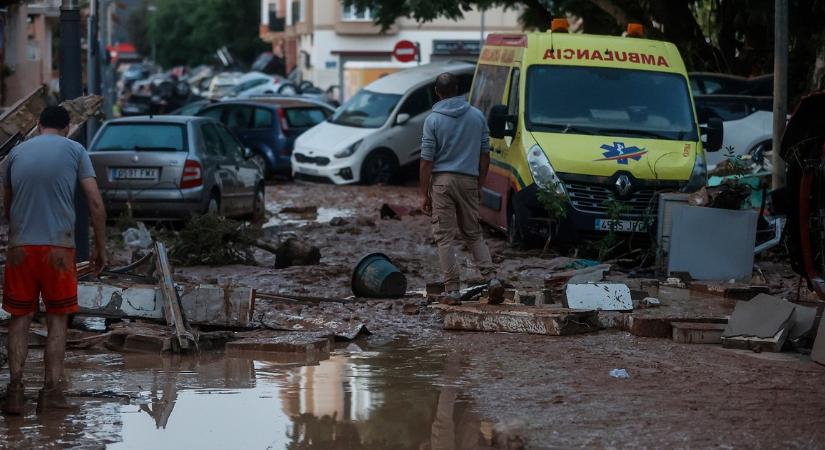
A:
{"points": [[376, 276]]}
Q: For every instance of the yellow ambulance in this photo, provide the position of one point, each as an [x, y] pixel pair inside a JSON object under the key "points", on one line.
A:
{"points": [[594, 118]]}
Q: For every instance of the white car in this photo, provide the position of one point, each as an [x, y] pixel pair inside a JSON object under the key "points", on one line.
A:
{"points": [[376, 131], [254, 84], [747, 121], [222, 83]]}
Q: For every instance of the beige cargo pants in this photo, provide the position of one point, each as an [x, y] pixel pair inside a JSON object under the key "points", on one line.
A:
{"points": [[455, 215]]}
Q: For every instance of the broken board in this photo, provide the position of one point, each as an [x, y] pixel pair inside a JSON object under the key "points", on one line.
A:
{"points": [[215, 305], [598, 296], [514, 318], [697, 332]]}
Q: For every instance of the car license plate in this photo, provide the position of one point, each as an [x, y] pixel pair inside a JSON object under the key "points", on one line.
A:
{"points": [[308, 170], [622, 226], [135, 173]]}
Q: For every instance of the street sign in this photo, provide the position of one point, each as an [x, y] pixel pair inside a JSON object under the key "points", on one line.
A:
{"points": [[405, 51]]}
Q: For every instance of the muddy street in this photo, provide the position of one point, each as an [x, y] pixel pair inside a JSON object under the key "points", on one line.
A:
{"points": [[412, 385]]}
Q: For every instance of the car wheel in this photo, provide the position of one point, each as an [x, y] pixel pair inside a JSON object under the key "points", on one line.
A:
{"points": [[258, 206], [379, 168], [515, 239], [259, 159]]}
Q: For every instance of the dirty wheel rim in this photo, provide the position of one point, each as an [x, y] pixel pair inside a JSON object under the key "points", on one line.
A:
{"points": [[379, 169]]}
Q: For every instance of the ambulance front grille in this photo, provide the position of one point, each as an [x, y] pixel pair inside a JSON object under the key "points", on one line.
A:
{"points": [[594, 198]]}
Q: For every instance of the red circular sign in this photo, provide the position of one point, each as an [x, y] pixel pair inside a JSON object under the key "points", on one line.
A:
{"points": [[405, 51]]}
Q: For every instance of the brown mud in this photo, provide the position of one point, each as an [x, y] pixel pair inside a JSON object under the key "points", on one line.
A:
{"points": [[411, 385]]}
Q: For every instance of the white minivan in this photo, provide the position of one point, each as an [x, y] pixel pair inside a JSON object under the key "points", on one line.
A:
{"points": [[376, 131]]}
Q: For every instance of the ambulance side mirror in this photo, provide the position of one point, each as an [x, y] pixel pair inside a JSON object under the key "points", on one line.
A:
{"points": [[714, 133], [497, 121]]}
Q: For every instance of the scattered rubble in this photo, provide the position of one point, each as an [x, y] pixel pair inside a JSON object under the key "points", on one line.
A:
{"points": [[761, 324], [697, 332], [294, 252], [514, 318]]}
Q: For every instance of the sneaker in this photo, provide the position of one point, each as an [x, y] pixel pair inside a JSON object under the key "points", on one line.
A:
{"points": [[495, 291], [15, 401], [450, 298]]}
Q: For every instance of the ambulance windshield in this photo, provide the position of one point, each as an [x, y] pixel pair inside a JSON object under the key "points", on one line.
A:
{"points": [[609, 101]]}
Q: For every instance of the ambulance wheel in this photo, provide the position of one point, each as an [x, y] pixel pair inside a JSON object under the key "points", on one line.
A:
{"points": [[515, 238]]}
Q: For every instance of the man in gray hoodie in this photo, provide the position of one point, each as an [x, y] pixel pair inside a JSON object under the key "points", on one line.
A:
{"points": [[455, 156]]}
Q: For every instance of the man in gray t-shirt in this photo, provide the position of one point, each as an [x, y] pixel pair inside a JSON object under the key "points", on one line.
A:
{"points": [[41, 177]]}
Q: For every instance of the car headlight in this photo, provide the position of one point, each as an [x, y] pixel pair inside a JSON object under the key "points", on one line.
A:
{"points": [[699, 176], [543, 173], [349, 150]]}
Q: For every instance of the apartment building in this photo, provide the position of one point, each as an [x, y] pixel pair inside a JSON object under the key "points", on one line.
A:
{"points": [[324, 39], [26, 30]]}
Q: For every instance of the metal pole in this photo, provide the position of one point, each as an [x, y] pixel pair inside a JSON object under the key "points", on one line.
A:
{"points": [[780, 88], [481, 42], [71, 86], [92, 59]]}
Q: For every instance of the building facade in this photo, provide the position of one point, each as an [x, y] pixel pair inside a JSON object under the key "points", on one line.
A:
{"points": [[26, 30], [324, 39]]}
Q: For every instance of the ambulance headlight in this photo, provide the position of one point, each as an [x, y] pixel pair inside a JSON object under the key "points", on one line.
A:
{"points": [[543, 173], [699, 176]]}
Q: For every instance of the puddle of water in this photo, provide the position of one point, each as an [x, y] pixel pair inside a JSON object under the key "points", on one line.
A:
{"points": [[387, 398], [321, 215]]}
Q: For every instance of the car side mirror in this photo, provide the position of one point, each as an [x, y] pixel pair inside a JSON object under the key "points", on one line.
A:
{"points": [[714, 134], [247, 152], [402, 118], [497, 121]]}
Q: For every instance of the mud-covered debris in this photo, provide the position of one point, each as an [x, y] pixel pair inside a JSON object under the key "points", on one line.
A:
{"points": [[598, 296], [293, 252], [338, 222], [390, 211], [648, 302], [410, 309], [212, 240], [300, 210], [364, 221]]}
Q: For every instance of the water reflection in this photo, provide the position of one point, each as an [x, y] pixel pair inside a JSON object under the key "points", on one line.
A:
{"points": [[392, 397]]}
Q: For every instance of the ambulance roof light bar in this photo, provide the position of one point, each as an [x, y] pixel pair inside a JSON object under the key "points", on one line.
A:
{"points": [[559, 25], [635, 30]]}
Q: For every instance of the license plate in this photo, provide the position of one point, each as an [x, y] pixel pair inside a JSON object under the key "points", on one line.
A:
{"points": [[622, 226], [308, 170], [135, 173]]}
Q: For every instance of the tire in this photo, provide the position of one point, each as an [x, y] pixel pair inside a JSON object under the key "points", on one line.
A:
{"points": [[258, 213], [288, 89], [379, 167], [515, 238]]}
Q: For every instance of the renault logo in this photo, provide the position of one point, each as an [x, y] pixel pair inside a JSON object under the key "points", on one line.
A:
{"points": [[623, 185]]}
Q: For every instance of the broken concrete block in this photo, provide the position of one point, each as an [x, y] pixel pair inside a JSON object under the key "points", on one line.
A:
{"points": [[514, 318], [598, 296], [285, 343], [134, 301], [649, 302], [207, 304], [759, 324], [803, 322], [697, 332]]}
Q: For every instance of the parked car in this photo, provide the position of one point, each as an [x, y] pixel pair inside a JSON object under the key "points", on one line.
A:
{"points": [[170, 167], [192, 108], [707, 83], [257, 83], [747, 122], [269, 126], [376, 131]]}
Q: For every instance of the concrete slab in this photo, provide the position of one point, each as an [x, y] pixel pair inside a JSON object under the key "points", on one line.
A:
{"points": [[598, 296], [697, 332], [763, 317], [757, 344], [803, 322], [818, 352], [514, 318]]}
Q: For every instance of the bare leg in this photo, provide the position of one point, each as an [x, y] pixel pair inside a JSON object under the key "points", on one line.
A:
{"points": [[55, 349], [18, 346]]}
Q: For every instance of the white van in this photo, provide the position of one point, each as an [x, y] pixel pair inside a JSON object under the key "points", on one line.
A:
{"points": [[376, 131]]}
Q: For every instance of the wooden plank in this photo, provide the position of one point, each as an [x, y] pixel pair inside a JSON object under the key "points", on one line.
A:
{"points": [[514, 318], [171, 302]]}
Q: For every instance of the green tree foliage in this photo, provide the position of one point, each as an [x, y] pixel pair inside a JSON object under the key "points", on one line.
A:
{"points": [[729, 36], [188, 32]]}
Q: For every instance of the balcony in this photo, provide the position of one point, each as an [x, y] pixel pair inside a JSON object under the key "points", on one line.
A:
{"points": [[276, 24]]}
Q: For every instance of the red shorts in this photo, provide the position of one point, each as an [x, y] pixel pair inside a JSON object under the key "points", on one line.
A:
{"points": [[33, 271]]}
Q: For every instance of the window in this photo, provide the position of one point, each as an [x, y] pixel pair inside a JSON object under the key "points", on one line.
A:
{"points": [[304, 117], [263, 118], [366, 109], [297, 11], [142, 136], [212, 113], [231, 146], [211, 140], [352, 14], [239, 117], [725, 110], [488, 88], [512, 102], [609, 102], [418, 102]]}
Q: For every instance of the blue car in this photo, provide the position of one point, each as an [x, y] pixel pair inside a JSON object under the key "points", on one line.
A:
{"points": [[268, 126]]}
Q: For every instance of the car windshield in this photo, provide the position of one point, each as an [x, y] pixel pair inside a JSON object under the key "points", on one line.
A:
{"points": [[141, 137], [366, 110], [608, 101]]}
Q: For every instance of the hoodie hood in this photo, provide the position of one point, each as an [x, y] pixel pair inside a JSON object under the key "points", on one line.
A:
{"points": [[453, 106]]}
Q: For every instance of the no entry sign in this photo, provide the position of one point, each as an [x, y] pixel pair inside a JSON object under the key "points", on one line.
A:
{"points": [[405, 51]]}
